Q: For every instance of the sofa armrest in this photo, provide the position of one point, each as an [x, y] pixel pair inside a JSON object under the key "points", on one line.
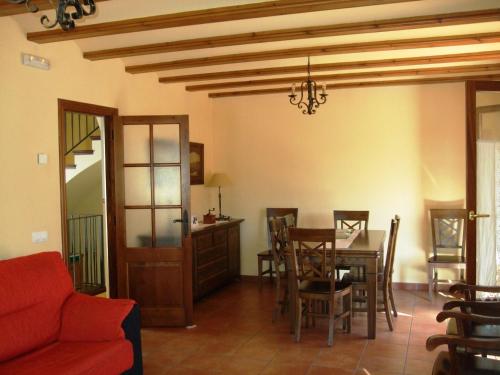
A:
{"points": [[132, 328], [87, 318]]}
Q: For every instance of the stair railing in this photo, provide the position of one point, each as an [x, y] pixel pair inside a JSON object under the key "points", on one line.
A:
{"points": [[85, 124], [86, 253]]}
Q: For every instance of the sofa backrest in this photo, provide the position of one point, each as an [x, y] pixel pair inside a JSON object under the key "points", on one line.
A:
{"points": [[33, 289]]}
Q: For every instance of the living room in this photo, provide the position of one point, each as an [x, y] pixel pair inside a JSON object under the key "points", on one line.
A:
{"points": [[386, 147]]}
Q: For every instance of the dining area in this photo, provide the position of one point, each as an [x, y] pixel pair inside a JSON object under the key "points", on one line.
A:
{"points": [[330, 273]]}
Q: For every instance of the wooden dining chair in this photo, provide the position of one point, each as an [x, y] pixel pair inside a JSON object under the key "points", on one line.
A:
{"points": [[350, 220], [385, 301], [278, 233], [449, 231], [290, 215], [312, 254]]}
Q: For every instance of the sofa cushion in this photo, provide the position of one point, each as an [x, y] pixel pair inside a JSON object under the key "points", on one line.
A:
{"points": [[87, 318], [75, 358], [32, 291]]}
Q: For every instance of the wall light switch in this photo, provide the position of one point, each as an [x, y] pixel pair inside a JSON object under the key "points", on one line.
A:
{"points": [[42, 159], [39, 237]]}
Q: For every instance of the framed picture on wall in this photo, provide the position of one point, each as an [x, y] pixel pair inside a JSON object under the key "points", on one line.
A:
{"points": [[196, 163]]}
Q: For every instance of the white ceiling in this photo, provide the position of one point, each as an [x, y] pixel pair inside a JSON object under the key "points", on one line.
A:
{"points": [[124, 9]]}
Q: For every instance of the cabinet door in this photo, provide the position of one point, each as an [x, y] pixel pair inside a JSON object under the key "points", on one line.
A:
{"points": [[233, 244]]}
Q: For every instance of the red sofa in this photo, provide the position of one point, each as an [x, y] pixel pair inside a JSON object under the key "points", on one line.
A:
{"points": [[48, 328]]}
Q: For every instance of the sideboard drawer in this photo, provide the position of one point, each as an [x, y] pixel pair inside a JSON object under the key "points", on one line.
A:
{"points": [[208, 255], [220, 236], [216, 256], [213, 268], [204, 241]]}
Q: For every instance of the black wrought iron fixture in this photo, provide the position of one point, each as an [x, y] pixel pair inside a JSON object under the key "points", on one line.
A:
{"points": [[308, 100], [64, 18]]}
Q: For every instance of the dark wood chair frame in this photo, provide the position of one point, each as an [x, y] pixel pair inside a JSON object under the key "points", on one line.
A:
{"points": [[312, 253], [456, 222], [266, 255], [350, 219], [387, 303], [278, 235]]}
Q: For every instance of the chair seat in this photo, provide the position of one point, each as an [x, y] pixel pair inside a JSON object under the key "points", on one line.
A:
{"points": [[446, 259], [467, 365], [320, 287], [265, 254]]}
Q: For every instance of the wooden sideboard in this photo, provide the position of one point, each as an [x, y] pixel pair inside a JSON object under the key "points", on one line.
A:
{"points": [[216, 256]]}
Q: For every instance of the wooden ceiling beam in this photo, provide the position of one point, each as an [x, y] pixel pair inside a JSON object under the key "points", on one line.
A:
{"points": [[343, 76], [407, 23], [203, 16], [385, 45], [9, 9], [423, 60], [399, 82]]}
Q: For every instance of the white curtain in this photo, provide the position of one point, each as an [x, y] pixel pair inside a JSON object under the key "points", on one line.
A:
{"points": [[488, 202]]}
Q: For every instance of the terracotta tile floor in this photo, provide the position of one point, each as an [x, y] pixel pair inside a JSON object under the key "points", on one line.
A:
{"points": [[235, 335]]}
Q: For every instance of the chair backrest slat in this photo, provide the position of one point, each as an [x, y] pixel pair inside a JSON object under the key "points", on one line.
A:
{"points": [[391, 251], [350, 219], [313, 255], [449, 231]]}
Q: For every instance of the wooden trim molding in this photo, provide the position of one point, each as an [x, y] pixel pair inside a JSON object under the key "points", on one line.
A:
{"points": [[9, 9], [398, 82], [407, 23], [452, 58], [385, 45], [341, 76], [203, 16]]}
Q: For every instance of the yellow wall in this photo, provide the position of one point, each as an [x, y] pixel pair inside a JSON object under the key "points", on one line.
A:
{"points": [[29, 194], [388, 150]]}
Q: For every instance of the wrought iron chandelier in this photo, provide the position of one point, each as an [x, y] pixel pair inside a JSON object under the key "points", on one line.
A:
{"points": [[308, 88], [64, 18]]}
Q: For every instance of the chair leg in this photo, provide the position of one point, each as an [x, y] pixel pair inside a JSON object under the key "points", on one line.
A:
{"points": [[277, 299], [271, 271], [388, 315], [430, 280], [347, 306], [331, 322], [259, 264], [391, 297], [298, 319]]}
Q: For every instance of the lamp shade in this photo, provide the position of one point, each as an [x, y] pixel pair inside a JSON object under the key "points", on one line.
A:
{"points": [[219, 179]]}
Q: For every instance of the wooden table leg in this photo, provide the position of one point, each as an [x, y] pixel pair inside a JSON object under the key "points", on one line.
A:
{"points": [[371, 275]]}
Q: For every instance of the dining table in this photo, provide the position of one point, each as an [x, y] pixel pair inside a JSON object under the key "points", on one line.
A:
{"points": [[366, 250]]}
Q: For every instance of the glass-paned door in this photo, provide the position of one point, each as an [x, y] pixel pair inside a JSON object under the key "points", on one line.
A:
{"points": [[483, 183], [155, 254]]}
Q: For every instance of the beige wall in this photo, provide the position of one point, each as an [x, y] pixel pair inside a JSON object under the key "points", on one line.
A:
{"points": [[29, 194], [388, 150]]}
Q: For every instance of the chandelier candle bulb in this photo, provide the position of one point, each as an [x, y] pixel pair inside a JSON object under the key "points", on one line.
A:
{"points": [[293, 89]]}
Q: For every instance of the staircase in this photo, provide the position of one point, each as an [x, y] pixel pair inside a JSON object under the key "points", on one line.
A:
{"points": [[83, 143]]}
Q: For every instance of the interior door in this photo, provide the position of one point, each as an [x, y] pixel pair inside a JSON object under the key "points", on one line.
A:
{"points": [[154, 251], [483, 182]]}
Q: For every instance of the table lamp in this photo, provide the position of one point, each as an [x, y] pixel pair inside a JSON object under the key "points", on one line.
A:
{"points": [[219, 180]]}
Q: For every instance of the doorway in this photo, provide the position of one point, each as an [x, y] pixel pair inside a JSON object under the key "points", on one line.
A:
{"points": [[483, 182], [87, 199]]}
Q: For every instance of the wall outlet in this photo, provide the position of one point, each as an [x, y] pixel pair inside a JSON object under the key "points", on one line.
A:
{"points": [[39, 237]]}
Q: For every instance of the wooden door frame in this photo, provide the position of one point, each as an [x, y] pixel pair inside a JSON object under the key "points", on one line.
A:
{"points": [[471, 87], [110, 119]]}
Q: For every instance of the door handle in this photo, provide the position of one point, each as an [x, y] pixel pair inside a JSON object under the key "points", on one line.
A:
{"points": [[473, 216], [184, 221]]}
